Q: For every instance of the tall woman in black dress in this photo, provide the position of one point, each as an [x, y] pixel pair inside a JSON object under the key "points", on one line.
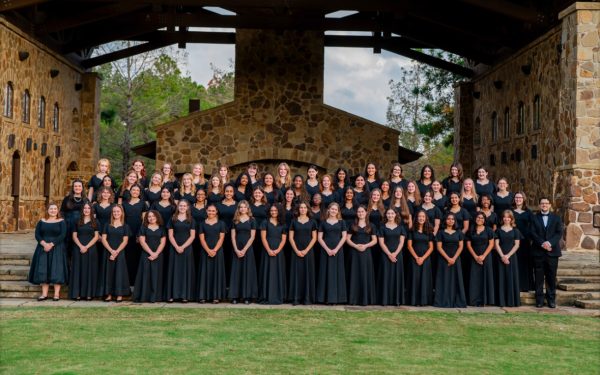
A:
{"points": [[284, 177], [70, 209], [303, 237], [243, 188], [427, 177], [134, 209], [181, 274], [341, 181], [434, 214], [376, 213], [102, 170], [215, 190], [449, 287], [312, 181], [523, 218], [272, 193], [84, 260], [453, 183], [331, 283], [260, 213], [169, 179], [124, 194], [211, 275], [420, 246], [398, 203], [138, 166], [439, 199], [272, 279], [502, 198], [165, 206], [386, 195], [468, 197], [485, 207], [115, 236], [483, 185], [299, 189], [152, 192], [396, 178], [361, 238], [328, 194], [243, 281], [49, 262], [103, 213], [390, 280], [198, 177], [480, 242], [361, 192], [187, 189], [413, 196], [372, 176], [149, 285], [508, 239]]}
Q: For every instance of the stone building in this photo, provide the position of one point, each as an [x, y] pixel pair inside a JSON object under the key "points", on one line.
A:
{"points": [[535, 119], [48, 127], [278, 115]]}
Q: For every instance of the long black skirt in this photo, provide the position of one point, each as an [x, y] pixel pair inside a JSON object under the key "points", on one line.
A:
{"points": [[84, 273], [116, 279], [449, 287], [390, 281], [362, 278], [181, 275], [272, 280], [49, 267], [526, 269], [420, 284], [302, 279], [211, 276], [509, 293], [331, 284], [243, 281], [481, 282], [149, 285], [102, 255]]}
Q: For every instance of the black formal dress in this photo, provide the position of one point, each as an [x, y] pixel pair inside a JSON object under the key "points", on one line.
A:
{"points": [[242, 196], [489, 188], [70, 210], [361, 197], [50, 267], [274, 196], [116, 279], [133, 218], [393, 185], [243, 281], [302, 270], [84, 267], [523, 222], [441, 203], [96, 184], [102, 218], [211, 275], [226, 213], [546, 262], [491, 220], [423, 187], [181, 273], [390, 280], [199, 215], [214, 198], [151, 197], [166, 212], [470, 205], [420, 288], [481, 279], [327, 199], [149, 281], [502, 204], [272, 279], [362, 273], [189, 197], [311, 190], [375, 184], [452, 186], [509, 293], [259, 213], [172, 185], [449, 287], [331, 284]]}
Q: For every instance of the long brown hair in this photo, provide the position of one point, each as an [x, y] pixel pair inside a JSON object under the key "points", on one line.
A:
{"points": [[236, 216], [188, 212], [102, 189], [92, 219], [355, 227]]}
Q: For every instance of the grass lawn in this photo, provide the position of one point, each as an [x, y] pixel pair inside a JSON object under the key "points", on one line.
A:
{"points": [[160, 341]]}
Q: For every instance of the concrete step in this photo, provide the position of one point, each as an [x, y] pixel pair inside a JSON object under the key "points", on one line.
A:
{"points": [[563, 298], [588, 304], [23, 289], [578, 272], [13, 273], [592, 287], [579, 279], [11, 259]]}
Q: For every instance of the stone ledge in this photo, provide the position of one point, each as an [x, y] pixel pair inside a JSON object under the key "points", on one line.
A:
{"points": [[578, 6]]}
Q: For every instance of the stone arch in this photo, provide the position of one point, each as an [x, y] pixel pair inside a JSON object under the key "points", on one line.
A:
{"points": [[281, 154]]}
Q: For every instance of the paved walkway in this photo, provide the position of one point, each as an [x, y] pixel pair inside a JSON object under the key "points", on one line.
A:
{"points": [[560, 310]]}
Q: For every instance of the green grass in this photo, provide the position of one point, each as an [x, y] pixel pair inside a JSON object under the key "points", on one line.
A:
{"points": [[159, 341]]}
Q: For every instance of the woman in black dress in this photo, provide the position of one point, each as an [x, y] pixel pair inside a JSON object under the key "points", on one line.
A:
{"points": [[468, 197], [134, 211], [252, 171], [398, 203], [243, 188], [260, 213], [138, 166], [439, 199], [102, 212], [115, 236], [299, 189], [434, 214], [372, 176], [453, 183], [211, 275], [396, 178], [361, 237], [302, 237], [152, 192], [341, 181], [226, 209], [70, 209], [449, 287], [124, 194], [316, 206], [413, 197], [485, 207], [272, 193], [523, 218], [272, 279], [390, 280], [483, 185], [348, 207], [224, 175], [165, 206], [289, 204], [480, 242], [284, 177], [331, 284], [361, 193], [503, 198], [312, 181], [461, 215], [427, 177], [102, 170], [376, 212], [181, 273], [169, 179], [420, 246], [243, 281], [198, 177], [215, 190], [508, 239], [149, 285], [84, 262], [386, 195], [328, 195], [49, 262], [187, 189]]}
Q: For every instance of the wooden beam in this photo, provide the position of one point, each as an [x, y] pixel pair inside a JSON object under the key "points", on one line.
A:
{"points": [[207, 37], [507, 8], [6, 5], [123, 53], [431, 60], [360, 41]]}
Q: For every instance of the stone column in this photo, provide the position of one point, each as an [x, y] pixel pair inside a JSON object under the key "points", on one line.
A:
{"points": [[463, 126], [580, 107], [90, 123]]}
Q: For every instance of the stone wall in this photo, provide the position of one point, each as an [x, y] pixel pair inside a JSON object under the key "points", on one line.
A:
{"points": [[75, 140], [277, 115], [557, 154]]}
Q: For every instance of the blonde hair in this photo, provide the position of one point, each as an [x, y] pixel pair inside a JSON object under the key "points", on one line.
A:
{"points": [[473, 192], [288, 176], [112, 218], [103, 160], [152, 177], [416, 194], [171, 175], [380, 206], [192, 186], [236, 216], [210, 185], [512, 217], [339, 214], [201, 178]]}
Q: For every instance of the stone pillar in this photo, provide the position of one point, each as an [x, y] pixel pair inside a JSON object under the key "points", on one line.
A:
{"points": [[580, 107], [463, 125], [90, 124]]}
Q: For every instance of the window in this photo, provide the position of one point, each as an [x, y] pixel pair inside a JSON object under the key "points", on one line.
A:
{"points": [[55, 117], [26, 107], [8, 100], [477, 132], [506, 132], [42, 113], [494, 127], [521, 119], [537, 110]]}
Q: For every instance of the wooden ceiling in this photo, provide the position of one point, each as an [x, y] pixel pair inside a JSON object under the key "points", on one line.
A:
{"points": [[481, 31]]}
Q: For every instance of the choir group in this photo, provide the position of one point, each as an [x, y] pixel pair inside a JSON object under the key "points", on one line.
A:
{"points": [[278, 238]]}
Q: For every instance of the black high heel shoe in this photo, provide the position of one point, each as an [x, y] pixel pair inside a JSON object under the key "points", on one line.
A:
{"points": [[42, 298]]}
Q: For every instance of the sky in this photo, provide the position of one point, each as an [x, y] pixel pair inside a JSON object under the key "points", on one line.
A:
{"points": [[356, 79]]}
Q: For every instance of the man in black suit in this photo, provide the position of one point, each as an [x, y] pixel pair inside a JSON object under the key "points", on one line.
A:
{"points": [[546, 232]]}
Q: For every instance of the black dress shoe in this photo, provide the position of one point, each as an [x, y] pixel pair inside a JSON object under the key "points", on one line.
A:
{"points": [[552, 305], [539, 305], [42, 298]]}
